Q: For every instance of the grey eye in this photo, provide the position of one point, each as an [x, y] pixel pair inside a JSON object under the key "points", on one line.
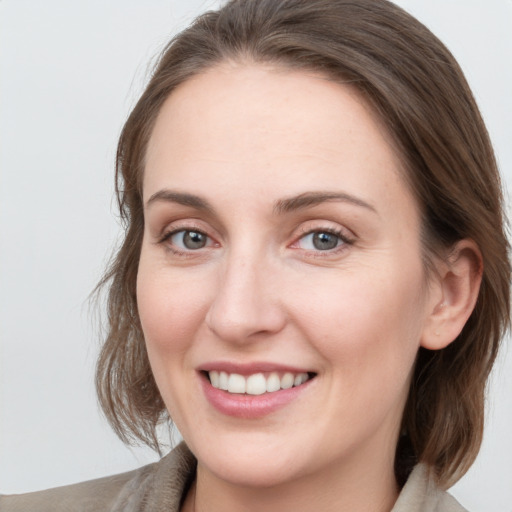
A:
{"points": [[325, 241], [189, 240], [320, 241]]}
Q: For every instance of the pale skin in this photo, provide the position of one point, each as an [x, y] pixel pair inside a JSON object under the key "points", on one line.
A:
{"points": [[259, 161]]}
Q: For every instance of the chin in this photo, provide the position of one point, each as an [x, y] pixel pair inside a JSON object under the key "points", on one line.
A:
{"points": [[251, 462], [252, 472]]}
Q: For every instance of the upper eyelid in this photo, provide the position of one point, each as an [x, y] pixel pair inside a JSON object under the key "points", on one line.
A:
{"points": [[343, 238], [316, 226], [165, 241], [305, 228], [184, 225], [166, 234]]}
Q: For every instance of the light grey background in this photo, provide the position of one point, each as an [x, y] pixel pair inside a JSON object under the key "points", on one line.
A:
{"points": [[70, 71]]}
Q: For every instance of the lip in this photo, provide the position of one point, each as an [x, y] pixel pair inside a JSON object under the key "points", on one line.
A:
{"points": [[249, 406], [246, 369]]}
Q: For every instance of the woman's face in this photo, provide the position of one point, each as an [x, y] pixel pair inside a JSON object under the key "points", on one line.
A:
{"points": [[281, 243]]}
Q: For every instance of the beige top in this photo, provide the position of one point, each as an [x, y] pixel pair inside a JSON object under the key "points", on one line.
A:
{"points": [[159, 487]]}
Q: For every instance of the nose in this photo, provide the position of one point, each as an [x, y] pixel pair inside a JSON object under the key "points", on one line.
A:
{"points": [[246, 306]]}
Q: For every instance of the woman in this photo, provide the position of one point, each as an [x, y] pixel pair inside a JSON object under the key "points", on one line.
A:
{"points": [[314, 279]]}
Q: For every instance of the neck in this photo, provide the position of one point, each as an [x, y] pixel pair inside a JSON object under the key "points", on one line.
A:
{"points": [[353, 489]]}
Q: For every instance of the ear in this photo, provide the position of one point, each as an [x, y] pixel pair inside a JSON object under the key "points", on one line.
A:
{"points": [[454, 292]]}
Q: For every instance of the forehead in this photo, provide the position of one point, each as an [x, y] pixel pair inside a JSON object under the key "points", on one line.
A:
{"points": [[263, 101], [247, 125]]}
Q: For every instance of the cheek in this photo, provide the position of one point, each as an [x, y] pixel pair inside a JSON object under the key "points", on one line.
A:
{"points": [[170, 306], [367, 323]]}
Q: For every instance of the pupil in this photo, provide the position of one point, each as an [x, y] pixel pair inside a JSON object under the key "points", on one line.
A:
{"points": [[325, 241], [194, 240]]}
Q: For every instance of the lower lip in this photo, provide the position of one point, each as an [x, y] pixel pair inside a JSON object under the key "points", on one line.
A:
{"points": [[250, 406]]}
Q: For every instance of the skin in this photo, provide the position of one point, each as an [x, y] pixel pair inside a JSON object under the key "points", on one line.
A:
{"points": [[244, 138]]}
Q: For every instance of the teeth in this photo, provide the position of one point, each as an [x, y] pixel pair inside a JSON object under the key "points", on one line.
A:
{"points": [[215, 379], [287, 381], [300, 379], [236, 383], [273, 383], [223, 381], [255, 384]]}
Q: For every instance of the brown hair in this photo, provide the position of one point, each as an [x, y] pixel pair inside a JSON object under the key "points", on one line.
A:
{"points": [[416, 87]]}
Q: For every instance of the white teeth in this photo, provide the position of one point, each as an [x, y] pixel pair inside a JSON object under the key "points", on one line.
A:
{"points": [[257, 383], [287, 380], [223, 381], [273, 382], [214, 377], [300, 379], [236, 383]]}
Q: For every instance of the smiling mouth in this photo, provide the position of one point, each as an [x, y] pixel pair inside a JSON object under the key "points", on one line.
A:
{"points": [[256, 383]]}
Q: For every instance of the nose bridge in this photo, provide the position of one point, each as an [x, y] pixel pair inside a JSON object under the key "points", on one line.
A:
{"points": [[245, 303]]}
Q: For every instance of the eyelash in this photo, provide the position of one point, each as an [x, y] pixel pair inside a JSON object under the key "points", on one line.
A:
{"points": [[177, 252], [343, 239]]}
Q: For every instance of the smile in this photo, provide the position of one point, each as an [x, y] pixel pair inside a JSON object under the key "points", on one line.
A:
{"points": [[257, 383], [252, 391]]}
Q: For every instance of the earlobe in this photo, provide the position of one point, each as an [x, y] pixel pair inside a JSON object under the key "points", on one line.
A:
{"points": [[457, 286]]}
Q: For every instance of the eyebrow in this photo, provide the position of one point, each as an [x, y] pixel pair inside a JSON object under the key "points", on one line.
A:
{"points": [[170, 196], [290, 204], [309, 199]]}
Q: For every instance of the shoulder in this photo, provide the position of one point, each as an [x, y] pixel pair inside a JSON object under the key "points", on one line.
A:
{"points": [[162, 482], [421, 494], [94, 495]]}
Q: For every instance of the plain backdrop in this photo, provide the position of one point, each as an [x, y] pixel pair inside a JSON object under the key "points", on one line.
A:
{"points": [[70, 72]]}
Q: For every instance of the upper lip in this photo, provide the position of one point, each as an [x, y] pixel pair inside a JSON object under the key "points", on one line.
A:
{"points": [[250, 368]]}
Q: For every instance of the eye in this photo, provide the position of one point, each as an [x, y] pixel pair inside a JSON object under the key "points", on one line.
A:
{"points": [[321, 241], [188, 240]]}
